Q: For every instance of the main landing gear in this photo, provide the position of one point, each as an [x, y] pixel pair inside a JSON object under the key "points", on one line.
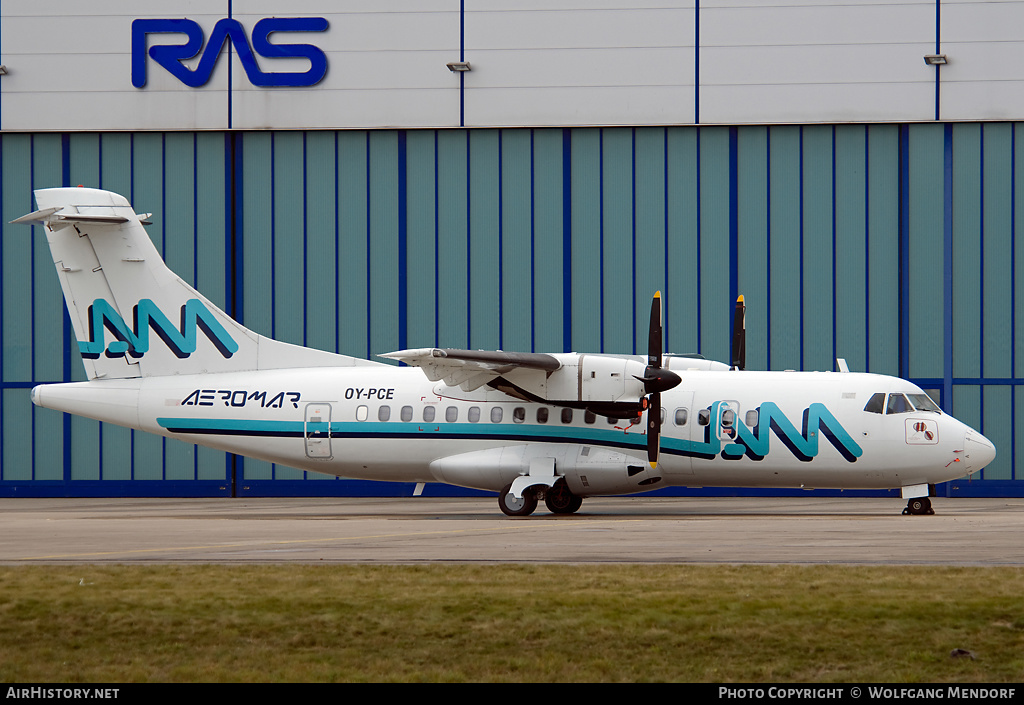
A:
{"points": [[559, 499], [919, 505]]}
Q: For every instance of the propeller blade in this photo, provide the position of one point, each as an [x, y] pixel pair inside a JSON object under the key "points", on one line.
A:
{"points": [[739, 335], [654, 429], [654, 333], [656, 380]]}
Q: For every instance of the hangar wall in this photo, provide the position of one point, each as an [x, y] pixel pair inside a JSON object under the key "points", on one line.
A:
{"points": [[792, 150], [892, 246]]}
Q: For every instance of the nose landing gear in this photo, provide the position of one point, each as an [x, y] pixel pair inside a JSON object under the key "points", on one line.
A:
{"points": [[919, 505]]}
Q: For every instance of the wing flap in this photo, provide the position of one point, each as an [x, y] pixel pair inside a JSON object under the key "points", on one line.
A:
{"points": [[471, 369]]}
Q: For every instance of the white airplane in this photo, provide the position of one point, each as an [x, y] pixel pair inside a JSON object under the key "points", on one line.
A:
{"points": [[559, 427]]}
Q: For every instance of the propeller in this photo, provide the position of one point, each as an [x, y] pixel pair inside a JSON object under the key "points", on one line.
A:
{"points": [[739, 335], [656, 380]]}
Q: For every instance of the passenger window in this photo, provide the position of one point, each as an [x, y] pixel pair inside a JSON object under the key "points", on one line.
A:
{"points": [[362, 413], [474, 414], [542, 415], [589, 417], [384, 413], [612, 421], [405, 414], [451, 414], [876, 404], [898, 404], [704, 417], [751, 418], [728, 418], [519, 414], [496, 414], [566, 415], [428, 413], [681, 415], [661, 419]]}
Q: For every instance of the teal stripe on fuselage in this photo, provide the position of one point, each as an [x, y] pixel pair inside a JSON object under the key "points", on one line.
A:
{"points": [[376, 429]]}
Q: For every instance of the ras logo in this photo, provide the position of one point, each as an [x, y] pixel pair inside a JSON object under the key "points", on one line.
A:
{"points": [[171, 56], [135, 341]]}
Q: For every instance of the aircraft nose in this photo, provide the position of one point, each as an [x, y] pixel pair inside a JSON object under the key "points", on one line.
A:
{"points": [[978, 451]]}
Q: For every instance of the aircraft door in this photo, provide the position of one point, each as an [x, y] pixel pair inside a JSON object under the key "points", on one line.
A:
{"points": [[317, 430]]}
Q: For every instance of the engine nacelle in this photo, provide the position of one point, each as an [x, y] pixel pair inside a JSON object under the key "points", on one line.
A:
{"points": [[588, 470]]}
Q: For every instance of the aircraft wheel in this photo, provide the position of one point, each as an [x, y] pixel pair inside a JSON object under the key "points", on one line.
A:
{"points": [[918, 506], [517, 507], [560, 499]]}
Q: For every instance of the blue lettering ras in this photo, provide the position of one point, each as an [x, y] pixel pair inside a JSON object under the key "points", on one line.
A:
{"points": [[172, 56]]}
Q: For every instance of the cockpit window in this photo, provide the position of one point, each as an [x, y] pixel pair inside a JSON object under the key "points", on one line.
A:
{"points": [[876, 404], [898, 404], [923, 402]]}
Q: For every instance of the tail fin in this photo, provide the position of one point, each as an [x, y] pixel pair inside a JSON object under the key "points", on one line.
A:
{"points": [[115, 282]]}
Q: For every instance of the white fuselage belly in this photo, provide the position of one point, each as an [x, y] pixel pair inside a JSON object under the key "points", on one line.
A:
{"points": [[813, 431]]}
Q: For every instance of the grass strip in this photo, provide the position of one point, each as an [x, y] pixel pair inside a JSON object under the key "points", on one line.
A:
{"points": [[606, 623]]}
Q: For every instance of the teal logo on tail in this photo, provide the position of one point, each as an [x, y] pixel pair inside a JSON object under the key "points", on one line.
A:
{"points": [[134, 341]]}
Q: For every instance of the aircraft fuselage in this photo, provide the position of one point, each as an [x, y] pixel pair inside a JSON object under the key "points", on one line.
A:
{"points": [[729, 428]]}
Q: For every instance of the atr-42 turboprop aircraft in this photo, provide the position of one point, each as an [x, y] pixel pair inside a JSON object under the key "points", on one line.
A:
{"points": [[559, 427]]}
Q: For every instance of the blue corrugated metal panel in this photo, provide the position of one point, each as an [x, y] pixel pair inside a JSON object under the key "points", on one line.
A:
{"points": [[753, 240], [650, 253], [851, 245], [818, 248], [785, 268], [923, 269], [453, 239], [421, 233], [683, 215], [713, 304], [882, 274], [587, 252], [485, 265], [541, 239], [549, 236], [517, 240], [968, 234]]}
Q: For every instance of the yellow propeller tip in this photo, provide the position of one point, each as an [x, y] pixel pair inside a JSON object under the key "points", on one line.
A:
{"points": [[739, 299], [657, 294]]}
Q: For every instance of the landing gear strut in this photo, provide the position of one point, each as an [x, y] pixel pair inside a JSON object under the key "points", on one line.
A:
{"points": [[561, 500], [524, 506], [919, 505]]}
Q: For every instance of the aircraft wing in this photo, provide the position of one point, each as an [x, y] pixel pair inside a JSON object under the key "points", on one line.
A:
{"points": [[470, 369]]}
